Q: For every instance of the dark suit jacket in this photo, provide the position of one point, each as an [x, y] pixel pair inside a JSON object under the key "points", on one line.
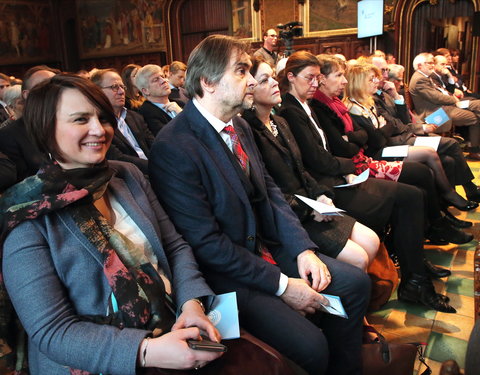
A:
{"points": [[442, 81], [179, 95], [121, 148], [3, 114], [14, 143], [8, 172], [283, 161], [322, 165], [194, 175], [155, 117]]}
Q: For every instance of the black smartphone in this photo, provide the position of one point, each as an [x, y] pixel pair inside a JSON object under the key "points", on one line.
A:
{"points": [[210, 346]]}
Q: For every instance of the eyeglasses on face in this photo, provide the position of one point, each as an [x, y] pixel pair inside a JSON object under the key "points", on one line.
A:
{"points": [[115, 87], [385, 70], [3, 86], [273, 36], [311, 79]]}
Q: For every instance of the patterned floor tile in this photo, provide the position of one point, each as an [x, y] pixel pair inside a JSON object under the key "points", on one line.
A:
{"points": [[440, 257], [411, 328], [463, 261], [459, 285], [463, 304], [442, 347], [453, 325]]}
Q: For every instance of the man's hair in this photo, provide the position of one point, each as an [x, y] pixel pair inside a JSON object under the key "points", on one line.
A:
{"points": [[27, 84], [330, 63], [4, 77], [442, 51], [295, 64], [209, 61], [395, 70], [176, 66], [438, 57], [420, 59], [11, 95], [143, 76], [98, 76], [40, 113]]}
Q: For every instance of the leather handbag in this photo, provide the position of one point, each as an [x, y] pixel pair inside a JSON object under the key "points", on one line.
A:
{"points": [[383, 358], [246, 355]]}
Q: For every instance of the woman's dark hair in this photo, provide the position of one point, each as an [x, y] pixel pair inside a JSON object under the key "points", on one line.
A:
{"points": [[256, 61], [40, 113], [295, 64]]}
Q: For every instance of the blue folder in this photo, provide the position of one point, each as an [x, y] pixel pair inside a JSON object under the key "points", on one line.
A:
{"points": [[439, 117]]}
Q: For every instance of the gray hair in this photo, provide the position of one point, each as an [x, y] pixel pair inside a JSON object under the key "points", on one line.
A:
{"points": [[420, 59], [395, 71], [11, 95], [143, 76], [209, 61]]}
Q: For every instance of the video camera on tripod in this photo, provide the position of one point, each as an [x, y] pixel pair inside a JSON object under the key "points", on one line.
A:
{"points": [[289, 31]]}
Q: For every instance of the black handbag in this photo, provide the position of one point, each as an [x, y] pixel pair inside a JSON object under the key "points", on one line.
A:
{"points": [[383, 358]]}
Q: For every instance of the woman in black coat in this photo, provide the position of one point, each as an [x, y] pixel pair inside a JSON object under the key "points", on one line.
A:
{"points": [[337, 236], [398, 204]]}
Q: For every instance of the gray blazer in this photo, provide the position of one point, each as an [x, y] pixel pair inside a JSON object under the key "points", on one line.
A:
{"points": [[426, 96], [53, 274]]}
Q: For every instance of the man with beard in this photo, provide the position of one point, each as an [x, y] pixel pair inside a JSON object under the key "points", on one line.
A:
{"points": [[206, 170]]}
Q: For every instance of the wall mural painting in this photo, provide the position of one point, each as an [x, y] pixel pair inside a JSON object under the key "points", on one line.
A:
{"points": [[25, 32], [120, 27]]}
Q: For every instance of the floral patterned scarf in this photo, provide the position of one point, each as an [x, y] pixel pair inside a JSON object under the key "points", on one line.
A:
{"points": [[137, 288]]}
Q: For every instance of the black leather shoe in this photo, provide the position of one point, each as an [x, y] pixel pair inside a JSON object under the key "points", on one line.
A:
{"points": [[457, 223], [468, 206], [443, 231], [419, 289], [435, 271], [474, 196]]}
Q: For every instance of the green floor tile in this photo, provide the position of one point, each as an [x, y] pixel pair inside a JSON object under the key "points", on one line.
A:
{"points": [[411, 308], [442, 347], [470, 246], [439, 257], [460, 286]]}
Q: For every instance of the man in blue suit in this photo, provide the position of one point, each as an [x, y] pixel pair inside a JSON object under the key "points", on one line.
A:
{"points": [[206, 170]]}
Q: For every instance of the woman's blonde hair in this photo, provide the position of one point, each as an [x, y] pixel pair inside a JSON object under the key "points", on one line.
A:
{"points": [[358, 86]]}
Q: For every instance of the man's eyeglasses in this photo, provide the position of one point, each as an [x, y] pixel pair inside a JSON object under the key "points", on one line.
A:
{"points": [[115, 87], [273, 36], [311, 80], [3, 86], [385, 70]]}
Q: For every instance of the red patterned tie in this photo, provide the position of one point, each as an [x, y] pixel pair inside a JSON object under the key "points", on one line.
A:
{"points": [[243, 160], [237, 148]]}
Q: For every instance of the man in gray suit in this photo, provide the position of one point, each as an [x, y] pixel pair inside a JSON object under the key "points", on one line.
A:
{"points": [[428, 97]]}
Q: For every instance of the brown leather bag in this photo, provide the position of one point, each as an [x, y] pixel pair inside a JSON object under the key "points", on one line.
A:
{"points": [[384, 277], [383, 358], [246, 355]]}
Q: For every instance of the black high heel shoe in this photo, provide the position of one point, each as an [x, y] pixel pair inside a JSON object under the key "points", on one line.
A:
{"points": [[419, 289], [454, 199]]}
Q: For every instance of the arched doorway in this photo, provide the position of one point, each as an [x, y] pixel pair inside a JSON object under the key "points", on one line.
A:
{"points": [[425, 25]]}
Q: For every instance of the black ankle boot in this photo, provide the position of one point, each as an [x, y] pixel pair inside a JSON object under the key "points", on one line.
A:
{"points": [[419, 289]]}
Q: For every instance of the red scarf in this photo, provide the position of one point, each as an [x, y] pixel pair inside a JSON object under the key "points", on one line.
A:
{"points": [[337, 106]]}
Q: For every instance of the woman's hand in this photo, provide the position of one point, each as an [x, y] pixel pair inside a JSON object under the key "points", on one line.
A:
{"points": [[193, 316], [318, 216], [171, 351], [381, 121]]}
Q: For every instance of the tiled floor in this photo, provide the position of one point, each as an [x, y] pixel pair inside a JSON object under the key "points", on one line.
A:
{"points": [[446, 335]]}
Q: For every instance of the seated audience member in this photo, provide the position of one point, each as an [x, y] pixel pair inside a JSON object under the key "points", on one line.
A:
{"points": [[157, 109], [390, 58], [267, 50], [4, 84], [428, 97], [396, 73], [374, 203], [103, 253], [176, 80], [83, 73], [378, 53], [14, 104], [132, 139], [457, 78], [205, 167], [336, 236], [133, 97], [8, 173], [362, 83], [392, 107], [14, 138], [353, 136], [442, 77]]}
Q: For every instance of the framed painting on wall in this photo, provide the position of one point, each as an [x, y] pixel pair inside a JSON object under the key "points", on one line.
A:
{"points": [[26, 32], [120, 27]]}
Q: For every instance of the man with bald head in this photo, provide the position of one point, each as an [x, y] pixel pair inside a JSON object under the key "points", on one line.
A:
{"points": [[14, 140], [267, 51]]}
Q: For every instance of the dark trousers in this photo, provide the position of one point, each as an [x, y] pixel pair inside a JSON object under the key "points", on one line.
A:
{"points": [[322, 343]]}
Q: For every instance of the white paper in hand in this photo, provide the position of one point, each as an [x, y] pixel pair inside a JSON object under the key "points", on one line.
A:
{"points": [[362, 177], [321, 208], [395, 151], [224, 315], [432, 142]]}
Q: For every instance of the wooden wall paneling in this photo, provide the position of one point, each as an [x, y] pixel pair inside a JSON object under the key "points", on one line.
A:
{"points": [[279, 11]]}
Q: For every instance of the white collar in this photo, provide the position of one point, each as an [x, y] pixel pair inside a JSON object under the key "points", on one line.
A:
{"points": [[217, 124]]}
